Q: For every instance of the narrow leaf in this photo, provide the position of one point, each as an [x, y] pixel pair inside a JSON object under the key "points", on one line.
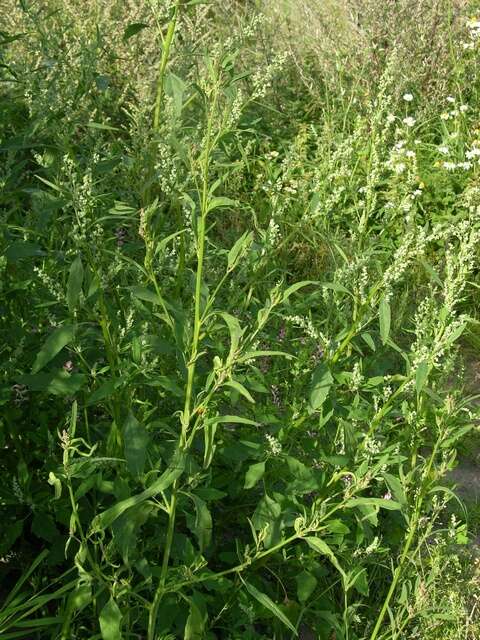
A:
{"points": [[268, 603], [385, 318], [421, 376], [240, 388], [322, 380], [321, 547], [135, 442], [169, 476], [74, 284]]}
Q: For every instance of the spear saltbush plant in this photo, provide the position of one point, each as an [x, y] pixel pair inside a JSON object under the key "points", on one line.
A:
{"points": [[233, 316]]}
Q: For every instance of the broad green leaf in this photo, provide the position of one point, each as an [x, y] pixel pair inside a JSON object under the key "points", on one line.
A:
{"points": [[240, 388], [421, 376], [132, 29], [306, 584], [203, 523], [135, 438], [110, 619], [268, 603], [168, 477], [238, 249], [55, 342], [322, 380], [58, 383], [254, 474], [385, 318], [74, 284], [321, 547]]}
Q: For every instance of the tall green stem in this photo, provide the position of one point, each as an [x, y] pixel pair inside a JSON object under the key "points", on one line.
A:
{"points": [[186, 415], [163, 65]]}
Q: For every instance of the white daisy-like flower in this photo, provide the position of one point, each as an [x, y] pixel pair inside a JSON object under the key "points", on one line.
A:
{"points": [[407, 97], [444, 116], [449, 166], [463, 108], [444, 150], [409, 121]]}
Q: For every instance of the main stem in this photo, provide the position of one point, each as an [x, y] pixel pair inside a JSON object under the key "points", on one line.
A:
{"points": [[186, 415]]}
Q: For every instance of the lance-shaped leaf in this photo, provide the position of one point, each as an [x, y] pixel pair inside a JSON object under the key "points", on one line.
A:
{"points": [[269, 604], [55, 342], [168, 477]]}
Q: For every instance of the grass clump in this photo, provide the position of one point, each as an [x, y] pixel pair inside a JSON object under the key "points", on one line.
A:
{"points": [[238, 278]]}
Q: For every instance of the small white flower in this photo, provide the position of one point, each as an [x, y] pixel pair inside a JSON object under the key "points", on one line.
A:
{"points": [[409, 121], [444, 116], [416, 193], [400, 167], [410, 153], [474, 151], [444, 150], [407, 97], [390, 118], [449, 166], [463, 108], [450, 99]]}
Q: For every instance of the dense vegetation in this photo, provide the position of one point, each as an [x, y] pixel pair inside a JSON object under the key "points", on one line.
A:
{"points": [[239, 267]]}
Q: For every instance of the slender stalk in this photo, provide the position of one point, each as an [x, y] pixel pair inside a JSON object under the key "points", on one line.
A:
{"points": [[186, 415], [163, 65], [408, 543]]}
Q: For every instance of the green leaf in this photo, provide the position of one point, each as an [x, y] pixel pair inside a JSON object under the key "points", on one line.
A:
{"points": [[110, 619], [385, 318], [169, 476], [306, 584], [322, 380], [175, 87], [235, 330], [421, 376], [321, 547], [220, 201], [135, 439], [105, 390], [132, 29], [74, 284], [254, 474], [55, 342], [238, 249], [234, 420], [240, 388], [295, 287], [396, 488], [203, 523], [390, 505], [142, 293], [195, 625], [268, 603]]}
